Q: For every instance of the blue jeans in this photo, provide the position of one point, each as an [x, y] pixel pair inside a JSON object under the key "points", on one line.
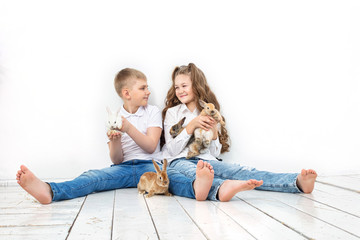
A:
{"points": [[280, 182], [124, 175]]}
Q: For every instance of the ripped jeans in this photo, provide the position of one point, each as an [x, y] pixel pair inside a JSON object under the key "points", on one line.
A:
{"points": [[279, 182]]}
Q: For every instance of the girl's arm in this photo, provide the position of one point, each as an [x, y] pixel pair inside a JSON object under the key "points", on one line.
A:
{"points": [[147, 142], [174, 145], [215, 145], [115, 147]]}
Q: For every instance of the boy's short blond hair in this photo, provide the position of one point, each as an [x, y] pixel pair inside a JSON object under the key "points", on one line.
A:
{"points": [[126, 77]]}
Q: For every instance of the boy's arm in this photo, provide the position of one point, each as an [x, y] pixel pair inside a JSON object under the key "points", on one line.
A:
{"points": [[115, 147], [147, 142]]}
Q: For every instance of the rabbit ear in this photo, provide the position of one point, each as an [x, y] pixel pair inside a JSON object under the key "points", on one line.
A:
{"points": [[202, 103], [108, 110], [157, 168], [164, 165], [182, 121]]}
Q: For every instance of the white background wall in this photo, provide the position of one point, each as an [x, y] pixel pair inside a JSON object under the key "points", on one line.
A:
{"points": [[286, 74]]}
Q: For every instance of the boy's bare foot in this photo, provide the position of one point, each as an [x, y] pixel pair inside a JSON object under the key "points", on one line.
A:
{"points": [[40, 190], [231, 187], [203, 181], [306, 180]]}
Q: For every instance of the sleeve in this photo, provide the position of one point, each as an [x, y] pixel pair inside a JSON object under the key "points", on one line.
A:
{"points": [[174, 145], [215, 147], [155, 119]]}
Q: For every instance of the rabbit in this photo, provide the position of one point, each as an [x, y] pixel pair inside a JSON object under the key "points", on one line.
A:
{"points": [[210, 110], [203, 138], [114, 123], [178, 128], [155, 183]]}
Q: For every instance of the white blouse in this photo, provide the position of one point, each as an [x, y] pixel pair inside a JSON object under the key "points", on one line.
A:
{"points": [[176, 147]]}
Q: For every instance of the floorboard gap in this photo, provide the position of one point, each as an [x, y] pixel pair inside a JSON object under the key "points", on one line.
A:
{"points": [[77, 215]]}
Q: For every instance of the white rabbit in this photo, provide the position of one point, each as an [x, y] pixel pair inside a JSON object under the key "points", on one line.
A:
{"points": [[114, 122]]}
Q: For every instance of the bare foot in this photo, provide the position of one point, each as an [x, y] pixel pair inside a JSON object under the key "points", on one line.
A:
{"points": [[40, 190], [306, 180], [231, 187], [203, 181]]}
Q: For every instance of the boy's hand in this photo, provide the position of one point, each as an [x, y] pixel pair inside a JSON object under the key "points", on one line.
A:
{"points": [[113, 135], [125, 125]]}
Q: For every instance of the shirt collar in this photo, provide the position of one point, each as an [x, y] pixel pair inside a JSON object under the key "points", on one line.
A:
{"points": [[184, 109], [138, 113]]}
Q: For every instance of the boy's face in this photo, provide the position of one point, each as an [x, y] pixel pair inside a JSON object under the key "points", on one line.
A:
{"points": [[139, 93], [183, 88]]}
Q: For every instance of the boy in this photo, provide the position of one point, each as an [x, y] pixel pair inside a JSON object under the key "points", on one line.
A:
{"points": [[131, 151]]}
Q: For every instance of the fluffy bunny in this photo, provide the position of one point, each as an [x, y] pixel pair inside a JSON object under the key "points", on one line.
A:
{"points": [[114, 122], [155, 183], [203, 138]]}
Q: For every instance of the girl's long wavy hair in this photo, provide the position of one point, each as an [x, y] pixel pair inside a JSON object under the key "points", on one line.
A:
{"points": [[201, 91]]}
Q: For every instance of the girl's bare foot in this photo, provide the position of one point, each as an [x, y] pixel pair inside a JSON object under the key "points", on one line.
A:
{"points": [[40, 190], [306, 180], [231, 187], [203, 181]]}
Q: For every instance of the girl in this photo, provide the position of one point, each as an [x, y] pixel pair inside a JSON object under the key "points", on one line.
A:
{"points": [[189, 85]]}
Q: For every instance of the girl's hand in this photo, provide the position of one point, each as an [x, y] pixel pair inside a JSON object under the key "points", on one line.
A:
{"points": [[204, 122], [113, 135], [215, 131]]}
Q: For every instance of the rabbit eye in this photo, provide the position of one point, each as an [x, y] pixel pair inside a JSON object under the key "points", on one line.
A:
{"points": [[160, 178], [115, 122]]}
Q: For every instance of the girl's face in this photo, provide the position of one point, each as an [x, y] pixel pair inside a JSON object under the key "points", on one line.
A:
{"points": [[183, 89]]}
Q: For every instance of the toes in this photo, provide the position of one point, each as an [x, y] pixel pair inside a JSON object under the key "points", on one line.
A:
{"points": [[23, 168], [200, 164]]}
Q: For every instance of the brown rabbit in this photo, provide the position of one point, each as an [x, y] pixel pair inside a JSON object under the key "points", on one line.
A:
{"points": [[210, 110], [155, 183], [203, 138]]}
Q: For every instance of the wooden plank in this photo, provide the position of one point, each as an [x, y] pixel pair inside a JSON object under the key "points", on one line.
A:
{"points": [[22, 202], [334, 217], [258, 224], [131, 216], [57, 232], [344, 182], [19, 209], [95, 218], [212, 221], [297, 220], [344, 200], [37, 219], [22, 217], [171, 220]]}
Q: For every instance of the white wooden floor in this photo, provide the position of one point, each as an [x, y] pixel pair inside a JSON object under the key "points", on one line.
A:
{"points": [[332, 211]]}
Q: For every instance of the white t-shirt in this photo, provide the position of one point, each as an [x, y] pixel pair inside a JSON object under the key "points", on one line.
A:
{"points": [[176, 147], [145, 117]]}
